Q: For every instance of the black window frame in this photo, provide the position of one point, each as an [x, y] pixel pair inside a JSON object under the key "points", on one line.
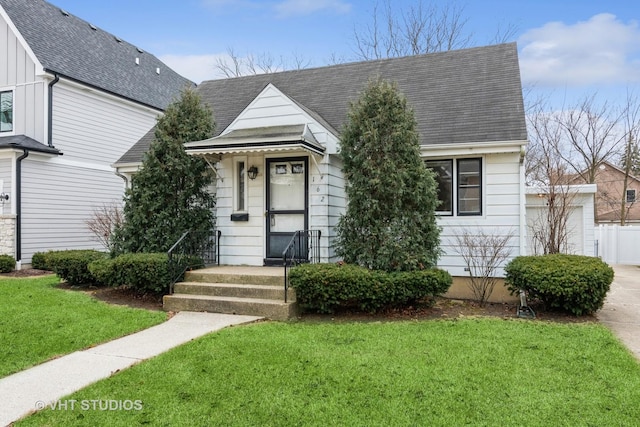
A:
{"points": [[460, 186], [433, 164], [11, 110], [456, 187], [633, 198]]}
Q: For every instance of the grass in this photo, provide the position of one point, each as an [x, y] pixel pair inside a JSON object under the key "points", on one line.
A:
{"points": [[39, 322], [481, 372]]}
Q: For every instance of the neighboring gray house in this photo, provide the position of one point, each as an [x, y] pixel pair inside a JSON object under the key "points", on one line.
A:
{"points": [[74, 99], [469, 110]]}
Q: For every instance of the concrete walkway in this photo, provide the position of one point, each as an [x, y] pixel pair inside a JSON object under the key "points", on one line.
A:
{"points": [[621, 310], [42, 385]]}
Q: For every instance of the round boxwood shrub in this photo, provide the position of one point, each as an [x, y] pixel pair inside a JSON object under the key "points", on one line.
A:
{"points": [[144, 272], [72, 265], [325, 288], [575, 284], [7, 263], [38, 261]]}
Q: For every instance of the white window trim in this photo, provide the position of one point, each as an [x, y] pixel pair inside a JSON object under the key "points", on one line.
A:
{"points": [[635, 195], [236, 164], [11, 89]]}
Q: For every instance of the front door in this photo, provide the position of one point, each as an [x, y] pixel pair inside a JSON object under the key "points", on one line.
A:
{"points": [[287, 203]]}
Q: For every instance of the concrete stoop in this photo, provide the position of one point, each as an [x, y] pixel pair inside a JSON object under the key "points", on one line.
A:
{"points": [[238, 293]]}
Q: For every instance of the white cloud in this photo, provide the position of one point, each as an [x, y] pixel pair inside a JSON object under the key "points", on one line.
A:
{"points": [[602, 50], [197, 68], [290, 8]]}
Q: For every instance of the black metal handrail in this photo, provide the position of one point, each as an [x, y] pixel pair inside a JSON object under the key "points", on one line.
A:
{"points": [[304, 247], [194, 249]]}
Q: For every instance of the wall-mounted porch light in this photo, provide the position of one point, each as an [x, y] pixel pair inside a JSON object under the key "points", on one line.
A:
{"points": [[252, 172], [4, 197]]}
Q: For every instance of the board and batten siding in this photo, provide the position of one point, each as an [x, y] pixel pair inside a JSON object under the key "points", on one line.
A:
{"points": [[18, 73], [501, 211]]}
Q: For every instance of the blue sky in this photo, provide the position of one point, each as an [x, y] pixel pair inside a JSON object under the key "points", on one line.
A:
{"points": [[566, 47]]}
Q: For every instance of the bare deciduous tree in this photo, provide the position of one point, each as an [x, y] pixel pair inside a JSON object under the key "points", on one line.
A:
{"points": [[104, 220], [547, 170], [234, 65], [483, 253], [591, 136], [423, 28], [631, 152]]}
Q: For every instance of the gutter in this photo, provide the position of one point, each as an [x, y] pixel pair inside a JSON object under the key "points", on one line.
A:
{"points": [[55, 80], [25, 154]]}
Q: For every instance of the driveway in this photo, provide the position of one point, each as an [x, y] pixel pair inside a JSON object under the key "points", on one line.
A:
{"points": [[621, 310]]}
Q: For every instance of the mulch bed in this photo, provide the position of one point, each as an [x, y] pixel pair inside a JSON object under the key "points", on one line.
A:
{"points": [[440, 308]]}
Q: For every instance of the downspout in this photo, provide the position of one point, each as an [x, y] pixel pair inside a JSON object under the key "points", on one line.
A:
{"points": [[126, 180], [55, 80], [25, 154], [523, 204]]}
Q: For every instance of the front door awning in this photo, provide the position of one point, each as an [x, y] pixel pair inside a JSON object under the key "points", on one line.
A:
{"points": [[255, 140]]}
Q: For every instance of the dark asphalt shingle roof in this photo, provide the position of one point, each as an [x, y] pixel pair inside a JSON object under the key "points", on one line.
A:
{"points": [[69, 46], [465, 96], [24, 142]]}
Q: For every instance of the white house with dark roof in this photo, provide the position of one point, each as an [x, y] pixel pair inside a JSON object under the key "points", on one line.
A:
{"points": [[74, 99], [276, 148]]}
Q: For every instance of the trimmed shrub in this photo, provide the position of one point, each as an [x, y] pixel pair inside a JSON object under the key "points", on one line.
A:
{"points": [[38, 261], [145, 272], [7, 263], [324, 288], [572, 283], [72, 265]]}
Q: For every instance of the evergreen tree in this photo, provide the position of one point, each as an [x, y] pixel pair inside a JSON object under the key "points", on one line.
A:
{"points": [[390, 222], [169, 196]]}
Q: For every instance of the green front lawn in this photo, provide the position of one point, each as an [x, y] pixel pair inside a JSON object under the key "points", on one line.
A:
{"points": [[467, 372], [38, 321]]}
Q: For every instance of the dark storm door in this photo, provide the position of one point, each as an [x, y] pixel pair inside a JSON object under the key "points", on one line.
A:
{"points": [[287, 203]]}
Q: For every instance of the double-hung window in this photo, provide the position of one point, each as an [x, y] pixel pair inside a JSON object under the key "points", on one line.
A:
{"points": [[459, 185], [6, 111], [631, 196]]}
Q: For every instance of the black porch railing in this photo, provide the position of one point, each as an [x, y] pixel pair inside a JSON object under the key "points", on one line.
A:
{"points": [[304, 247], [194, 249]]}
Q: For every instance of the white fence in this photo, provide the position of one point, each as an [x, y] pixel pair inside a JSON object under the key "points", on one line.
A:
{"points": [[618, 244]]}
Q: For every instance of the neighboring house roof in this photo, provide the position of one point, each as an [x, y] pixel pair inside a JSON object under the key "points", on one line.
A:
{"points": [[67, 45], [21, 141], [579, 177], [464, 96]]}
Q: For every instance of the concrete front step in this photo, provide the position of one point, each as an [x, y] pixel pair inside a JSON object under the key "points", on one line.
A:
{"points": [[235, 290], [272, 309], [272, 276]]}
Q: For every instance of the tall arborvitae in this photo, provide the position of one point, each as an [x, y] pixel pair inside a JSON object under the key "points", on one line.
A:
{"points": [[169, 194], [390, 222]]}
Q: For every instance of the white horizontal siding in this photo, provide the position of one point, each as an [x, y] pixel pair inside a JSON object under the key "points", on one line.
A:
{"points": [[241, 242], [501, 212], [337, 200], [57, 200], [88, 126]]}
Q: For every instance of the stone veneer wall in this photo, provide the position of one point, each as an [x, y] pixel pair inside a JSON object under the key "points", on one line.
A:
{"points": [[7, 234]]}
